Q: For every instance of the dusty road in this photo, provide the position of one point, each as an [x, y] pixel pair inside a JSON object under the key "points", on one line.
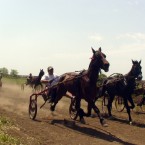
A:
{"points": [[50, 129]]}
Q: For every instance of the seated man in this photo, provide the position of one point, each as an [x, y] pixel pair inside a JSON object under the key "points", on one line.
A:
{"points": [[51, 79]]}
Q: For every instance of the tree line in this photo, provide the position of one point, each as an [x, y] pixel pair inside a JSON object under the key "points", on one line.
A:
{"points": [[14, 73], [4, 71]]}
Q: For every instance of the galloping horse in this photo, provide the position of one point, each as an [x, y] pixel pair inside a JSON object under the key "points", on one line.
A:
{"points": [[83, 85], [124, 88], [35, 81]]}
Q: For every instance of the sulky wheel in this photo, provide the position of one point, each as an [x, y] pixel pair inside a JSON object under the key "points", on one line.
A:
{"points": [[32, 109], [72, 109], [119, 104]]}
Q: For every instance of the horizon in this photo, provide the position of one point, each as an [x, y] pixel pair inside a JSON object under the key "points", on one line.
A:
{"points": [[37, 34]]}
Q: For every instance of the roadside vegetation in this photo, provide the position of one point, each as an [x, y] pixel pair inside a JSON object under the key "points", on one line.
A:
{"points": [[6, 139], [5, 123], [14, 80]]}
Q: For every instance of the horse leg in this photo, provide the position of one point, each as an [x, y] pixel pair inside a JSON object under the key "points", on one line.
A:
{"points": [[109, 105], [128, 110], [96, 109], [80, 111], [59, 93], [89, 108], [131, 101]]}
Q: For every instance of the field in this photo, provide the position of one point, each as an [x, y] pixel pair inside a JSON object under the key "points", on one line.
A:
{"points": [[51, 129]]}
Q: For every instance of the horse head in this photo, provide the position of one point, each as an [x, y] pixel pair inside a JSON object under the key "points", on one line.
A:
{"points": [[41, 73], [99, 60], [136, 69]]}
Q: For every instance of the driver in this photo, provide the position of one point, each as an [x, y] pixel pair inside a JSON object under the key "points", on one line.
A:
{"points": [[49, 80]]}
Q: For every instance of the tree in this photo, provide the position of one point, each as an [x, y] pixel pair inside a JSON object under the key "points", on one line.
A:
{"points": [[102, 76], [101, 79], [4, 71], [14, 73]]}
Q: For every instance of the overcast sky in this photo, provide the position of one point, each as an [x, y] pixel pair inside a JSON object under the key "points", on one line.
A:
{"points": [[35, 34]]}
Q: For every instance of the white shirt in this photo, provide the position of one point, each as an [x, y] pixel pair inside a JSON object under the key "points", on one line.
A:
{"points": [[53, 77]]}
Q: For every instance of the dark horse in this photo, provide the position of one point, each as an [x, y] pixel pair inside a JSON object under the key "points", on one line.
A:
{"points": [[124, 87], [83, 85], [35, 81]]}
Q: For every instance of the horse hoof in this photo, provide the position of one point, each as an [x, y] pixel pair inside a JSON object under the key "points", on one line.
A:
{"points": [[103, 123], [130, 122], [131, 107], [93, 115], [52, 107], [82, 120], [111, 117]]}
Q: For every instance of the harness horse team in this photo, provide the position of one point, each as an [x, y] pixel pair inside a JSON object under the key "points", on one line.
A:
{"points": [[83, 86]]}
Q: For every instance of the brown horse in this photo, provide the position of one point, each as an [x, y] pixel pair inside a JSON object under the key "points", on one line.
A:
{"points": [[83, 85]]}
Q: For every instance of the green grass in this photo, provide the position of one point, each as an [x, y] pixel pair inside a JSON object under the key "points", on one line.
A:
{"points": [[6, 139], [11, 80], [4, 121]]}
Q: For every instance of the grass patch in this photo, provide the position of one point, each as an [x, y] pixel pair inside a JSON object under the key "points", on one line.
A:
{"points": [[6, 139], [11, 80], [4, 121]]}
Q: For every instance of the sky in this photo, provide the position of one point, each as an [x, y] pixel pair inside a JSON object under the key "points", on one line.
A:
{"points": [[35, 34]]}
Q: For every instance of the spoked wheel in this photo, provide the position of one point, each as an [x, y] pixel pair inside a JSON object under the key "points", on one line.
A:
{"points": [[119, 104], [72, 109], [104, 104], [32, 109]]}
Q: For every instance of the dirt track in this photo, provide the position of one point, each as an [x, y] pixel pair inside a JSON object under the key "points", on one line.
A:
{"points": [[50, 129]]}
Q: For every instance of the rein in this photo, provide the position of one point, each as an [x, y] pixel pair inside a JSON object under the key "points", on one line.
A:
{"points": [[75, 78], [80, 76]]}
